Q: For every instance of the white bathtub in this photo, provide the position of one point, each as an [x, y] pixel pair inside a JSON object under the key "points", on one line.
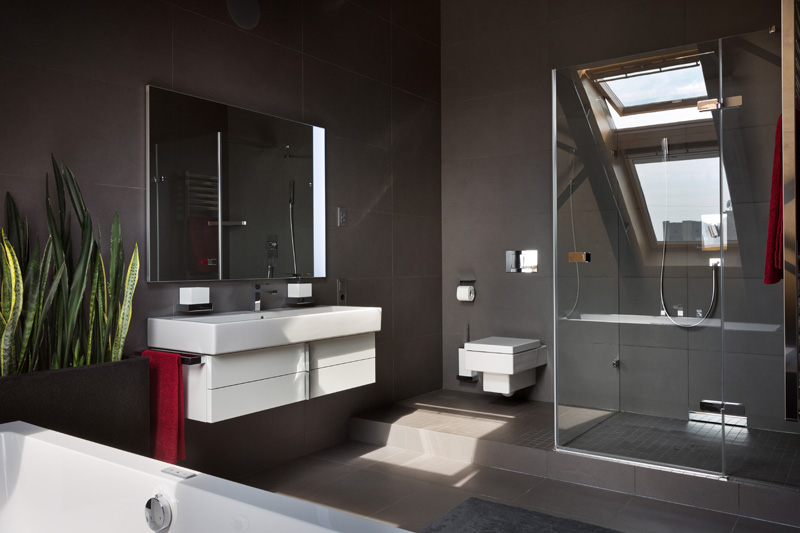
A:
{"points": [[53, 482]]}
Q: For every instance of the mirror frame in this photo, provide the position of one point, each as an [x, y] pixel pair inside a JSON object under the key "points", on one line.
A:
{"points": [[318, 194]]}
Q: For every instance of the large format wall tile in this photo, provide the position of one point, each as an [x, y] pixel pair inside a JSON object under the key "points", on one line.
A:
{"points": [[417, 365], [416, 65], [518, 182], [382, 8], [416, 246], [498, 125], [653, 381], [375, 292], [421, 17], [349, 36], [465, 20], [125, 43], [224, 64], [358, 175], [279, 21], [416, 185], [626, 30], [346, 104], [586, 377], [363, 248], [478, 244], [95, 128], [706, 21], [416, 125], [412, 317], [496, 64]]}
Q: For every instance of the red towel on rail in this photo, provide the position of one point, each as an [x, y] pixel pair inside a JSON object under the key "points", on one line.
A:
{"points": [[166, 406], [202, 244], [773, 265]]}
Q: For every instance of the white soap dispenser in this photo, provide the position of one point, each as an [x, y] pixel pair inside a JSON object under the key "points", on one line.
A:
{"points": [[298, 292]]}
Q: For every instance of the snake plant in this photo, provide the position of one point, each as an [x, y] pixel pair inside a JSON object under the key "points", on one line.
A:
{"points": [[11, 305], [57, 306]]}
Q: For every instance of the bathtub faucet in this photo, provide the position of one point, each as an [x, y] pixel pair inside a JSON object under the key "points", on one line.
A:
{"points": [[257, 290]]}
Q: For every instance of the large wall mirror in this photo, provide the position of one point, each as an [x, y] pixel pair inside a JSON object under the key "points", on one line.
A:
{"points": [[232, 194]]}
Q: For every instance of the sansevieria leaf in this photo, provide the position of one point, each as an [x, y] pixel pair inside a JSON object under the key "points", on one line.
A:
{"points": [[125, 311], [12, 299]]}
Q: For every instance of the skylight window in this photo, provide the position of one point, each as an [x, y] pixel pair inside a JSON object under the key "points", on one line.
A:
{"points": [[681, 196], [668, 116], [665, 85]]}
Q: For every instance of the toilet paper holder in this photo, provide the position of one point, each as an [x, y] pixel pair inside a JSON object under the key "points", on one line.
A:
{"points": [[465, 291]]}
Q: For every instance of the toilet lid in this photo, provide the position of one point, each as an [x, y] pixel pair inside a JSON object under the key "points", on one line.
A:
{"points": [[502, 345]]}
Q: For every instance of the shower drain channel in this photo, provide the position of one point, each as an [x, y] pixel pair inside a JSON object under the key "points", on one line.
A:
{"points": [[716, 418]]}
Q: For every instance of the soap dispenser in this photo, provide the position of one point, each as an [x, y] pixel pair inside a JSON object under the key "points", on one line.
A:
{"points": [[298, 292]]}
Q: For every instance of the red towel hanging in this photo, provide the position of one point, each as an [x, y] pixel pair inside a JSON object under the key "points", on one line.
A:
{"points": [[773, 264], [166, 406]]}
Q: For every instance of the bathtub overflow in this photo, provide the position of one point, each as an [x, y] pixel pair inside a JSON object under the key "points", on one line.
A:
{"points": [[158, 513]]}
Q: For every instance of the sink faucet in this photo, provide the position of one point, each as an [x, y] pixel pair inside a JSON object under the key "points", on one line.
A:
{"points": [[257, 290]]}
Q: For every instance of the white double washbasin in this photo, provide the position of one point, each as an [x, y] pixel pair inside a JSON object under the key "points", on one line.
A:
{"points": [[252, 330]]}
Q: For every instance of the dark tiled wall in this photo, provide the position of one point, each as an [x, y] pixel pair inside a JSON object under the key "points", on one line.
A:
{"points": [[368, 71], [496, 138]]}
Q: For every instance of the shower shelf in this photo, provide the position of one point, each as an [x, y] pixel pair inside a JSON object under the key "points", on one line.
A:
{"points": [[654, 320]]}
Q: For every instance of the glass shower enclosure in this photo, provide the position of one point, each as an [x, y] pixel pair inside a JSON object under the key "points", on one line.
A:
{"points": [[669, 345]]}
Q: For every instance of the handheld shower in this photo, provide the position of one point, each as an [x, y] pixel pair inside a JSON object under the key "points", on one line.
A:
{"points": [[714, 267], [291, 224]]}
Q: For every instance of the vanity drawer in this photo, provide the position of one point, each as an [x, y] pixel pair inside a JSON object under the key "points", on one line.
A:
{"points": [[331, 352], [337, 378], [240, 367], [251, 397]]}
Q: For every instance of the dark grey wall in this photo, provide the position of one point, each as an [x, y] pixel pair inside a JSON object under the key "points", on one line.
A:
{"points": [[74, 75], [496, 139]]}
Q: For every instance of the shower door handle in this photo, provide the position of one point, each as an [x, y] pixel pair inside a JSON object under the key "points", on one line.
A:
{"points": [[713, 103]]}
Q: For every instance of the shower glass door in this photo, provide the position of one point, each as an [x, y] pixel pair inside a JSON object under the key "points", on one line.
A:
{"points": [[760, 444], [641, 237]]}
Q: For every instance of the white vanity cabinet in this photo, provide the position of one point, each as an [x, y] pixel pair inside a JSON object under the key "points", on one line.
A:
{"points": [[228, 385], [253, 361], [341, 363], [234, 384]]}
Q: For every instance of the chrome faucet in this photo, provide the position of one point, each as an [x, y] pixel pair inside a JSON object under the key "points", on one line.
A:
{"points": [[257, 290]]}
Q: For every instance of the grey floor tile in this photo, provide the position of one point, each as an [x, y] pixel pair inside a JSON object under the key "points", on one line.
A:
{"points": [[500, 484], [364, 492], [749, 525], [503, 485], [428, 468], [358, 454], [421, 508], [298, 476], [642, 515], [576, 501]]}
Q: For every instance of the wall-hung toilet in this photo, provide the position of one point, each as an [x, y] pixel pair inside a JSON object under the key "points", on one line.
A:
{"points": [[508, 364]]}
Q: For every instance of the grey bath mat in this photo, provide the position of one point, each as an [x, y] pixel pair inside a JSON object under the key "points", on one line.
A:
{"points": [[479, 516]]}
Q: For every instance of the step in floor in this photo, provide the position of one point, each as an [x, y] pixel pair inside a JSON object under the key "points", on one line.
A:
{"points": [[410, 490], [517, 435]]}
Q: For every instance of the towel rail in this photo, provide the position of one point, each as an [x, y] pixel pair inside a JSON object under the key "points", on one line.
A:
{"points": [[187, 360]]}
